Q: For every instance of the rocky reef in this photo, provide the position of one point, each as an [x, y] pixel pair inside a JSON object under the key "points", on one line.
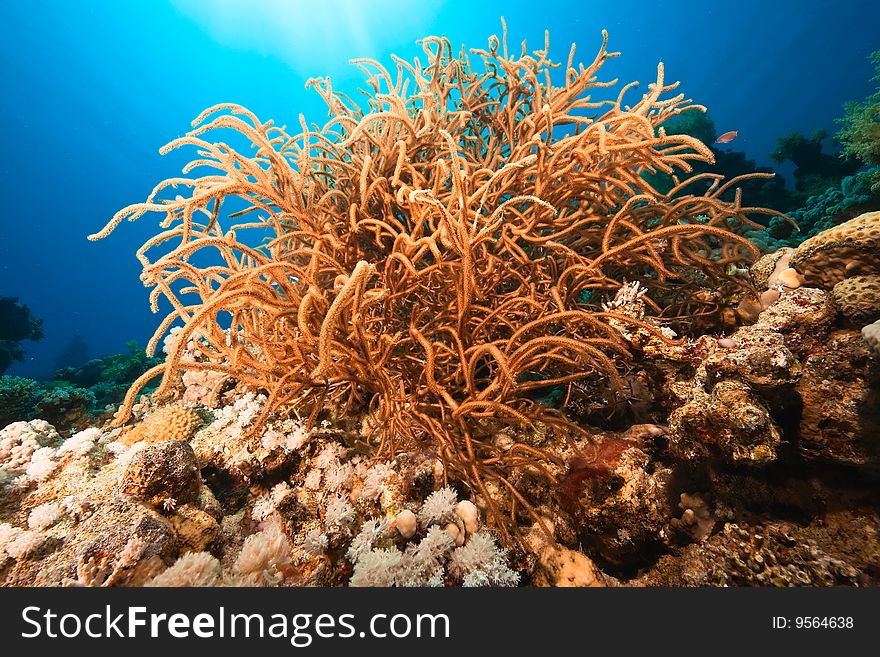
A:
{"points": [[751, 459]]}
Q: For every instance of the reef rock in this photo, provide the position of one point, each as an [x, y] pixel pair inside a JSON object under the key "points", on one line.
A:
{"points": [[775, 555], [840, 395], [624, 507], [730, 423], [559, 566], [163, 475]]}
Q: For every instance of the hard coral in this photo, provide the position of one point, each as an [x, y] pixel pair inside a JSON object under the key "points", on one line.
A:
{"points": [[170, 422], [729, 422], [850, 249], [858, 298], [64, 407], [441, 256], [745, 555], [559, 566]]}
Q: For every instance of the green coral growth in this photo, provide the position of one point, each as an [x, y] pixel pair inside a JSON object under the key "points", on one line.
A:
{"points": [[125, 368], [109, 377], [860, 135], [75, 395], [62, 405], [17, 398], [696, 124]]}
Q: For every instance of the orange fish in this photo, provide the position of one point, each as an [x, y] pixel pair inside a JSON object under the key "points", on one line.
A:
{"points": [[727, 136]]}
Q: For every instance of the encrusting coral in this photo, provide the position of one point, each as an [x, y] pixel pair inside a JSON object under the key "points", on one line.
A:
{"points": [[438, 259], [850, 249]]}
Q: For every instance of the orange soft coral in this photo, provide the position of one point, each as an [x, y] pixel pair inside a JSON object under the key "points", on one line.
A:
{"points": [[437, 257]]}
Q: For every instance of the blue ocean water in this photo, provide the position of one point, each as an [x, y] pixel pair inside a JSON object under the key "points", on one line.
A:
{"points": [[91, 90]]}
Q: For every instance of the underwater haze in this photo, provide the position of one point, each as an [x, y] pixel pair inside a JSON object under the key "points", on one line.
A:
{"points": [[92, 90]]}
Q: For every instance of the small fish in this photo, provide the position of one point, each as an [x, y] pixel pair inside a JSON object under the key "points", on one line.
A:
{"points": [[727, 136]]}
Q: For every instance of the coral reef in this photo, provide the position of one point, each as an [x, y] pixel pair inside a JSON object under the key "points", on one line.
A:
{"points": [[840, 394], [559, 566], [18, 396], [837, 204], [437, 260], [109, 377], [75, 396], [206, 504], [476, 348], [799, 364], [754, 556], [172, 422], [858, 298], [66, 408], [112, 514], [851, 249], [163, 475]]}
